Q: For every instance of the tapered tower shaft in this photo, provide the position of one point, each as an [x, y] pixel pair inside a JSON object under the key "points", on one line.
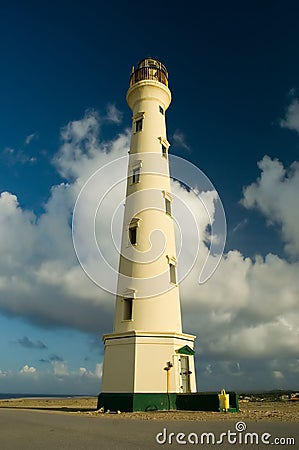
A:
{"points": [[148, 256]]}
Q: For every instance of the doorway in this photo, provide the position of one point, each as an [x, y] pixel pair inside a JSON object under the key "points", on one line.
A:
{"points": [[185, 373]]}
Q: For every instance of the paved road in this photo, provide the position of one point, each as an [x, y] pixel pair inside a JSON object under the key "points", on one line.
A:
{"points": [[39, 430]]}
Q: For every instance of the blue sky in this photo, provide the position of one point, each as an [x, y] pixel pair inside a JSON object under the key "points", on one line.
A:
{"points": [[234, 72]]}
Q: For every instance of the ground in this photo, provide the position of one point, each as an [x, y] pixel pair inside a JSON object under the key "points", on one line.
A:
{"points": [[275, 411]]}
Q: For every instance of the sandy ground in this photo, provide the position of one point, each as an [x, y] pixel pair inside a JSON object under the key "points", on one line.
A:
{"points": [[287, 412]]}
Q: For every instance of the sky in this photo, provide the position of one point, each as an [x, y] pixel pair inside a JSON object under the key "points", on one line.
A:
{"points": [[234, 77]]}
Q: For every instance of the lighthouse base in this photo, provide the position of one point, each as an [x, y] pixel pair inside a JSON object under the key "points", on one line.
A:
{"points": [[148, 363], [130, 402]]}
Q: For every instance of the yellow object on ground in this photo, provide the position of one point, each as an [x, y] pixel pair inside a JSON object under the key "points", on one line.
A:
{"points": [[223, 400]]}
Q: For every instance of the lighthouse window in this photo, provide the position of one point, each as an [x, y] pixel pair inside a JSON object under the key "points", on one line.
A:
{"points": [[164, 151], [136, 175], [161, 109], [133, 235], [168, 206], [128, 309], [172, 273], [138, 124]]}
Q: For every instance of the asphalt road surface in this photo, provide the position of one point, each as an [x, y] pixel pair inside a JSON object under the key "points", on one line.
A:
{"points": [[39, 430]]}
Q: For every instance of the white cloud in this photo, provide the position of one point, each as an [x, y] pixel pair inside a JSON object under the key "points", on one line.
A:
{"points": [[99, 370], [31, 137], [79, 145], [247, 311], [59, 368], [179, 140], [113, 114], [291, 120], [82, 152], [275, 194], [89, 374], [27, 369]]}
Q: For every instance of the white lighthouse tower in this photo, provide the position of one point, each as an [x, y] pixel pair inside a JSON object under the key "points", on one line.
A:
{"points": [[148, 360]]}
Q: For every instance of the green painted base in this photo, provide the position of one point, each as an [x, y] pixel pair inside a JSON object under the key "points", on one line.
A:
{"points": [[128, 402], [198, 401]]}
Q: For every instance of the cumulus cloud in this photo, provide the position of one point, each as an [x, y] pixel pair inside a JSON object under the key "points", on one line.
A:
{"points": [[27, 369], [245, 322], [291, 120], [82, 151], [246, 316], [275, 194], [251, 296]]}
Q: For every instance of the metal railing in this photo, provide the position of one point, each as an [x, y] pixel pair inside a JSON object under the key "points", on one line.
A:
{"points": [[148, 73]]}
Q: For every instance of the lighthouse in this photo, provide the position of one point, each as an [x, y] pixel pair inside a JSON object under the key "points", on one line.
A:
{"points": [[148, 360]]}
